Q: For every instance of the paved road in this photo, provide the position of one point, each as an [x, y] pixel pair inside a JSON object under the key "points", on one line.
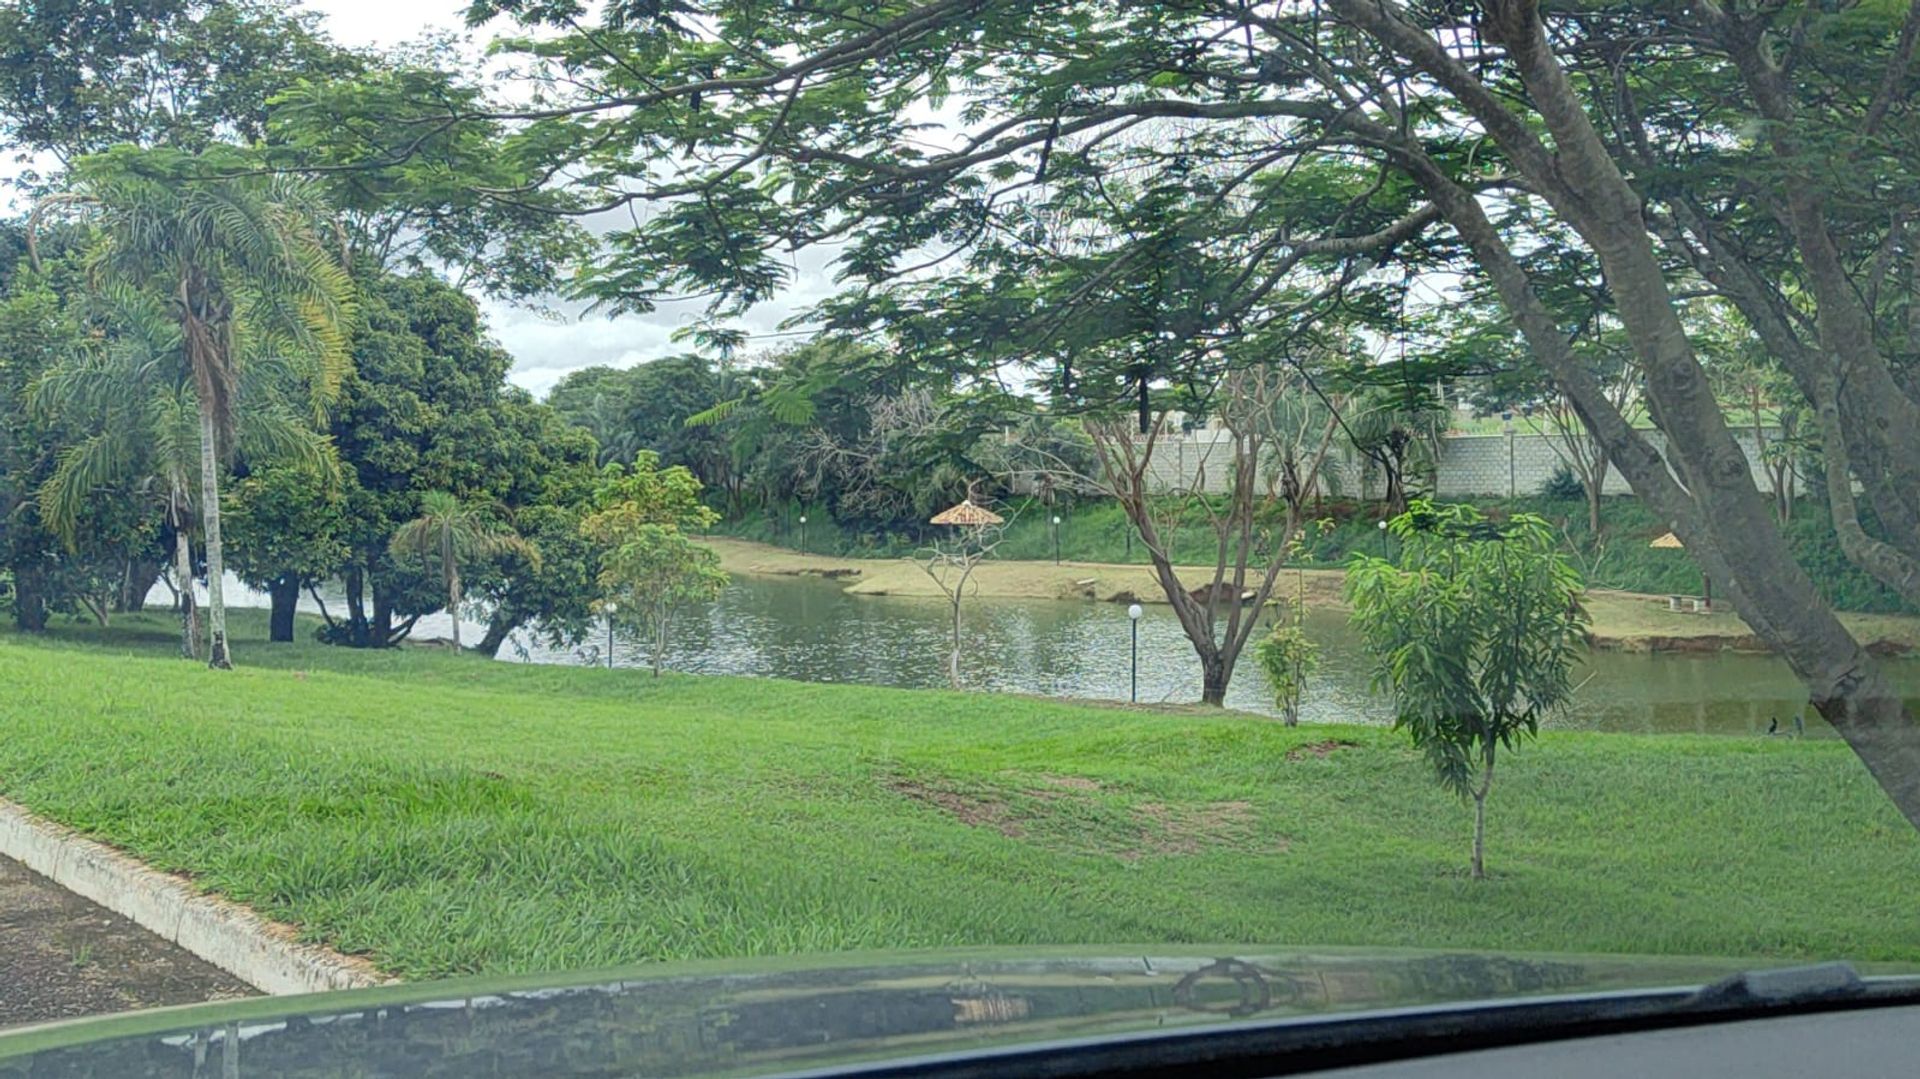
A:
{"points": [[62, 957]]}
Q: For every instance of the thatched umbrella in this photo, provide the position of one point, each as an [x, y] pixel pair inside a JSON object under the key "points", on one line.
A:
{"points": [[968, 515], [1671, 542]]}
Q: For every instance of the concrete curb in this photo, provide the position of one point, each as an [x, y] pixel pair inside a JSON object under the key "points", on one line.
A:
{"points": [[264, 954]]}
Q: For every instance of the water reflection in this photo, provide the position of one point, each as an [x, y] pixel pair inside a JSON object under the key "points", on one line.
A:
{"points": [[812, 630]]}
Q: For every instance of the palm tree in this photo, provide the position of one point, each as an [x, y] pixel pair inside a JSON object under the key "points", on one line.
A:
{"points": [[143, 420], [454, 531], [239, 263]]}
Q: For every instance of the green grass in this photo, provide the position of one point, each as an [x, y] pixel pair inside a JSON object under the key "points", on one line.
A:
{"points": [[447, 814]]}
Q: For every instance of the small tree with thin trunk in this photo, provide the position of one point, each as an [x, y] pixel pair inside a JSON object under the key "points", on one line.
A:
{"points": [[649, 568], [950, 563], [651, 572], [449, 532], [1475, 632]]}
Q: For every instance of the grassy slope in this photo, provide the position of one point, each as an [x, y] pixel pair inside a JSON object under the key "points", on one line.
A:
{"points": [[448, 814]]}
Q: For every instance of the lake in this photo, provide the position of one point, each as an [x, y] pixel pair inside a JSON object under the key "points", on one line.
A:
{"points": [[810, 629]]}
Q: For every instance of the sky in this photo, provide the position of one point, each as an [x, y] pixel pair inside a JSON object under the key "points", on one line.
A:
{"points": [[547, 345]]}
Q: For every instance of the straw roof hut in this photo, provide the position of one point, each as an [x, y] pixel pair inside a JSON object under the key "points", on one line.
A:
{"points": [[968, 515]]}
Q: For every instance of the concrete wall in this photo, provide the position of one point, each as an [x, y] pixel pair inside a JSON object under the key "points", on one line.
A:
{"points": [[1498, 465]]}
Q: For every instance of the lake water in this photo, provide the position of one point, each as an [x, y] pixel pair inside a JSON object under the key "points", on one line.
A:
{"points": [[810, 629]]}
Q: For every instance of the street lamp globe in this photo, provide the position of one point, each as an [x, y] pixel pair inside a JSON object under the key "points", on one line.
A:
{"points": [[1056, 518], [1383, 526], [1135, 611], [803, 518]]}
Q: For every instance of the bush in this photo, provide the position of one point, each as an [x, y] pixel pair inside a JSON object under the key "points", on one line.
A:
{"points": [[1287, 657], [1563, 486]]}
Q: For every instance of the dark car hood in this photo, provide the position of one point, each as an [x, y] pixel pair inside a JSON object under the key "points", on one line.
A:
{"points": [[753, 1018]]}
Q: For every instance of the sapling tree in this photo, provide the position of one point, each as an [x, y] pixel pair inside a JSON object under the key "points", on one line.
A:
{"points": [[1287, 656], [1474, 631], [649, 568]]}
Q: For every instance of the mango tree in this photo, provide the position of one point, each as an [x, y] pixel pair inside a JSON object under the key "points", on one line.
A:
{"points": [[1474, 630]]}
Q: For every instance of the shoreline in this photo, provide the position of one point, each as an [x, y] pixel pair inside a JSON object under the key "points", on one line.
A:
{"points": [[1621, 621]]}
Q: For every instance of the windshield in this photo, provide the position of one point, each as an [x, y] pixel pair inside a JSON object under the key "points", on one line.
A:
{"points": [[519, 490]]}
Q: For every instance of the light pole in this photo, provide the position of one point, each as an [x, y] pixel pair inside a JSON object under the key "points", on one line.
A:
{"points": [[803, 533], [612, 609], [1056, 539], [1134, 612]]}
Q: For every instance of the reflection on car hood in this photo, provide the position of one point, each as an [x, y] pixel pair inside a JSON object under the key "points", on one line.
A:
{"points": [[753, 1018]]}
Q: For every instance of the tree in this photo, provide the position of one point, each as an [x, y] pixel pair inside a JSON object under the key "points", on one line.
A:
{"points": [[950, 562], [1397, 429], [554, 594], [649, 568], [1251, 525], [645, 407], [285, 525], [37, 331], [1475, 631], [1287, 656], [1163, 178], [184, 73], [449, 532], [428, 407], [240, 267]]}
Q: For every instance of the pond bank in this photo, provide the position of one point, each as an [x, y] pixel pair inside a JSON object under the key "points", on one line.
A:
{"points": [[1622, 621]]}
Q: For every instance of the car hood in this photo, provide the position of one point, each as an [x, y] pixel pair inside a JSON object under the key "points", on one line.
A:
{"points": [[777, 1015]]}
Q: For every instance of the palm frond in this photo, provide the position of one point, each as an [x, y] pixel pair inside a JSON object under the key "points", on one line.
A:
{"points": [[82, 469]]}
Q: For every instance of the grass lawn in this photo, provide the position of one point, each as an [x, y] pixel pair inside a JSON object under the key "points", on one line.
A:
{"points": [[445, 814]]}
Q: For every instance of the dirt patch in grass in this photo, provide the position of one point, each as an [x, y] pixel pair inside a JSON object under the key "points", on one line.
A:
{"points": [[1073, 783], [1319, 750], [1079, 815], [1192, 829], [978, 811]]}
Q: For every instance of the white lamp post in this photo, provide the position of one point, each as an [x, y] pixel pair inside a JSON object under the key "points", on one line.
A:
{"points": [[1134, 611], [1383, 539], [803, 533], [1056, 539]]}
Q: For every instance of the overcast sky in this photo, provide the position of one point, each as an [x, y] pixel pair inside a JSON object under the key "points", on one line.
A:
{"points": [[546, 347]]}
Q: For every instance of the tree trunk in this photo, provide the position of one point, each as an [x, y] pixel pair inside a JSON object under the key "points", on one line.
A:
{"points": [[1718, 512], [29, 598], [380, 629], [659, 637], [453, 597], [1595, 487], [953, 650], [217, 655], [1214, 675], [499, 628], [141, 573], [189, 609], [356, 584], [284, 591], [1480, 818], [1480, 836]]}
